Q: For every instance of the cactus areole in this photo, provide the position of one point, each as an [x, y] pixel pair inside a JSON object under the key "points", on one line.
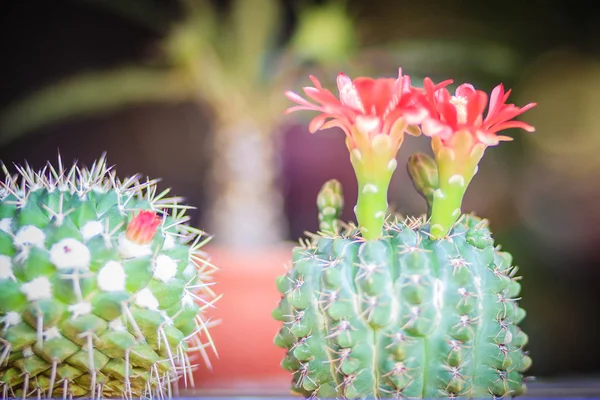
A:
{"points": [[404, 307]]}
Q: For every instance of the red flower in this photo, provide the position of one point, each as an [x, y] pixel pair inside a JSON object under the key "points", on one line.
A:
{"points": [[464, 111], [372, 106], [142, 228]]}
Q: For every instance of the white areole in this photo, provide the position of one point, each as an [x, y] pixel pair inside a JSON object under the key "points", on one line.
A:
{"points": [[82, 308], [5, 225], [11, 318], [51, 333], [169, 242], [116, 325], [165, 268], [37, 289], [6, 271], [29, 235], [187, 300], [70, 253], [144, 298], [91, 229], [111, 277]]}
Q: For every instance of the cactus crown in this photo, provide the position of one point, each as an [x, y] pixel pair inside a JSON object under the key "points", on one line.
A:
{"points": [[17, 191], [376, 113]]}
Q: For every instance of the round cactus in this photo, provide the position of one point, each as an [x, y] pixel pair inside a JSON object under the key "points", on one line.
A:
{"points": [[399, 307], [102, 286], [404, 315]]}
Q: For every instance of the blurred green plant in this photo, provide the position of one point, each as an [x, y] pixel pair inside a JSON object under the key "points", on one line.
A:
{"points": [[230, 62], [89, 94], [324, 33]]}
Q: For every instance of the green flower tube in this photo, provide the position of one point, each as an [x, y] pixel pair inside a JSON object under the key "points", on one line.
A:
{"points": [[457, 164]]}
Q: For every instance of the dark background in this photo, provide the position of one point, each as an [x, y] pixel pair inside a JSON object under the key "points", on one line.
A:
{"points": [[540, 191]]}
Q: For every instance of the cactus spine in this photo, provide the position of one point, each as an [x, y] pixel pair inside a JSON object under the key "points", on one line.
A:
{"points": [[102, 286], [397, 307]]}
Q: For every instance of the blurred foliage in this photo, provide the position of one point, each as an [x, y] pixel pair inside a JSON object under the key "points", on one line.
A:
{"points": [[567, 87], [89, 94], [233, 62], [450, 58], [153, 14], [325, 34]]}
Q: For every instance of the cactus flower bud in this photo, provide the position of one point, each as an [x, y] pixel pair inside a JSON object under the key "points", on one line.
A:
{"points": [[142, 228], [424, 174], [330, 202]]}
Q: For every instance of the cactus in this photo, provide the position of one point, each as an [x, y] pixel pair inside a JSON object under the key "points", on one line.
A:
{"points": [[102, 286], [417, 307]]}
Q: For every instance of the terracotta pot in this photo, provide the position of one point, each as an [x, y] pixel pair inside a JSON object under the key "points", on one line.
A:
{"points": [[248, 361]]}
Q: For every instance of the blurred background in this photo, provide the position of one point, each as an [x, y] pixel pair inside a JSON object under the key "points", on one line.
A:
{"points": [[192, 91]]}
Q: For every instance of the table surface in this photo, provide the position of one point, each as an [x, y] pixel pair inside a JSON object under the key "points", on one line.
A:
{"points": [[566, 388]]}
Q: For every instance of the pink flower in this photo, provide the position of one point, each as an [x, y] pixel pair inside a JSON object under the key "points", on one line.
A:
{"points": [[142, 228], [371, 106], [464, 111]]}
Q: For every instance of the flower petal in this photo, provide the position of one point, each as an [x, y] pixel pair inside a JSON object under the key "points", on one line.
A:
{"points": [[435, 127], [376, 94], [295, 97], [465, 90], [348, 94], [511, 124], [301, 108], [316, 82], [486, 138], [415, 115], [337, 123], [475, 107], [324, 97], [368, 124], [317, 122], [497, 100]]}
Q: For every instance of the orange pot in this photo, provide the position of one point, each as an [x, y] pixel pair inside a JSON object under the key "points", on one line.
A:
{"points": [[248, 361]]}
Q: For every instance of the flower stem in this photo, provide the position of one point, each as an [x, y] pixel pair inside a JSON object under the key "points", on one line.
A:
{"points": [[371, 208], [457, 164], [373, 175], [447, 200]]}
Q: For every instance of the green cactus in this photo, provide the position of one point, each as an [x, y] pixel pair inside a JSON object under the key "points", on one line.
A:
{"points": [[103, 286], [421, 307], [403, 315]]}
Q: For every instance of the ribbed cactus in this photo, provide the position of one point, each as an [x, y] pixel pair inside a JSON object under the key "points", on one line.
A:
{"points": [[102, 286], [404, 307]]}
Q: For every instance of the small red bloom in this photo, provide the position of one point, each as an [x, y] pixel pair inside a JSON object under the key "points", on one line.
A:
{"points": [[464, 111], [142, 228], [372, 106]]}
